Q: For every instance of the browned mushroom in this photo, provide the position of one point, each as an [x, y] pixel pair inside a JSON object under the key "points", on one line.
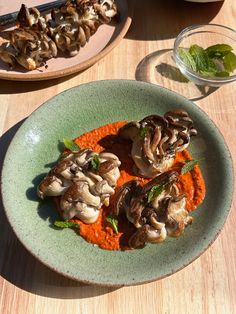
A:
{"points": [[28, 48], [83, 188], [79, 202], [31, 19], [69, 27], [177, 217], [157, 139], [153, 214], [51, 186]]}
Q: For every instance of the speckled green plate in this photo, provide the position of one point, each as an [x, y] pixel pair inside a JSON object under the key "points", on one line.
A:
{"points": [[80, 109]]}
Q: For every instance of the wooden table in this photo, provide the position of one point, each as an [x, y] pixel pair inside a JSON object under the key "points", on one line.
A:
{"points": [[208, 285]]}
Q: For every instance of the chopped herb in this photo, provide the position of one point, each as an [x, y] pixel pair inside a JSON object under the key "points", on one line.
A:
{"points": [[113, 223], [189, 165], [71, 145], [65, 224], [143, 132], [156, 191], [214, 61], [95, 162]]}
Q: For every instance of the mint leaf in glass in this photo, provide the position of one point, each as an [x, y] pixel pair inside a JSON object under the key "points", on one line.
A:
{"points": [[186, 57], [218, 51], [222, 74], [230, 62], [201, 58]]}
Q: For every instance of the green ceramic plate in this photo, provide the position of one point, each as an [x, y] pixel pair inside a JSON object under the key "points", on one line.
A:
{"points": [[81, 109]]}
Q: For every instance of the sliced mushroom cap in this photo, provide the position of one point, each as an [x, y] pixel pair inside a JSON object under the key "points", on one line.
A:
{"points": [[139, 238], [129, 131], [83, 156], [157, 139], [88, 215], [149, 234], [124, 196], [85, 213], [51, 186], [79, 192], [8, 54], [108, 168], [156, 234], [177, 216], [65, 168], [32, 47]]}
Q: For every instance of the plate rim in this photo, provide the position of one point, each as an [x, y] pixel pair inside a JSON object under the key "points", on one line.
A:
{"points": [[130, 283]]}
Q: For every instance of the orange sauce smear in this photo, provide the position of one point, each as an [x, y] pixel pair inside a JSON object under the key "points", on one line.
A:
{"points": [[105, 138]]}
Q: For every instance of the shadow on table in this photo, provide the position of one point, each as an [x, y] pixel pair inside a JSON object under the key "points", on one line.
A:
{"points": [[18, 87], [163, 19], [156, 69], [21, 269]]}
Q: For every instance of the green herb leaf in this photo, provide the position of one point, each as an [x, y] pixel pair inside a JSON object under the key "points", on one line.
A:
{"points": [[71, 145], [188, 166], [218, 51], [200, 57], [187, 58], [95, 162], [214, 61], [143, 132], [155, 191], [208, 73], [222, 74], [113, 223], [65, 224], [230, 62]]}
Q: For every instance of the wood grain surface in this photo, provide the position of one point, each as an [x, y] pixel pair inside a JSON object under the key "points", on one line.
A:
{"points": [[208, 285]]}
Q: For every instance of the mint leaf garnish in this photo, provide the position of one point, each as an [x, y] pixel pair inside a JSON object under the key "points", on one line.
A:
{"points": [[113, 223], [95, 162], [71, 145], [155, 191], [143, 132], [65, 224], [189, 165]]}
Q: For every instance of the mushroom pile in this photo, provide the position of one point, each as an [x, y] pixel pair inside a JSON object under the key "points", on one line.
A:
{"points": [[156, 139], [84, 181], [75, 22], [156, 210], [27, 48], [39, 38]]}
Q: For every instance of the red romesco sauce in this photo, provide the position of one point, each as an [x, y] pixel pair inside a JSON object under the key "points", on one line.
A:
{"points": [[105, 138]]}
